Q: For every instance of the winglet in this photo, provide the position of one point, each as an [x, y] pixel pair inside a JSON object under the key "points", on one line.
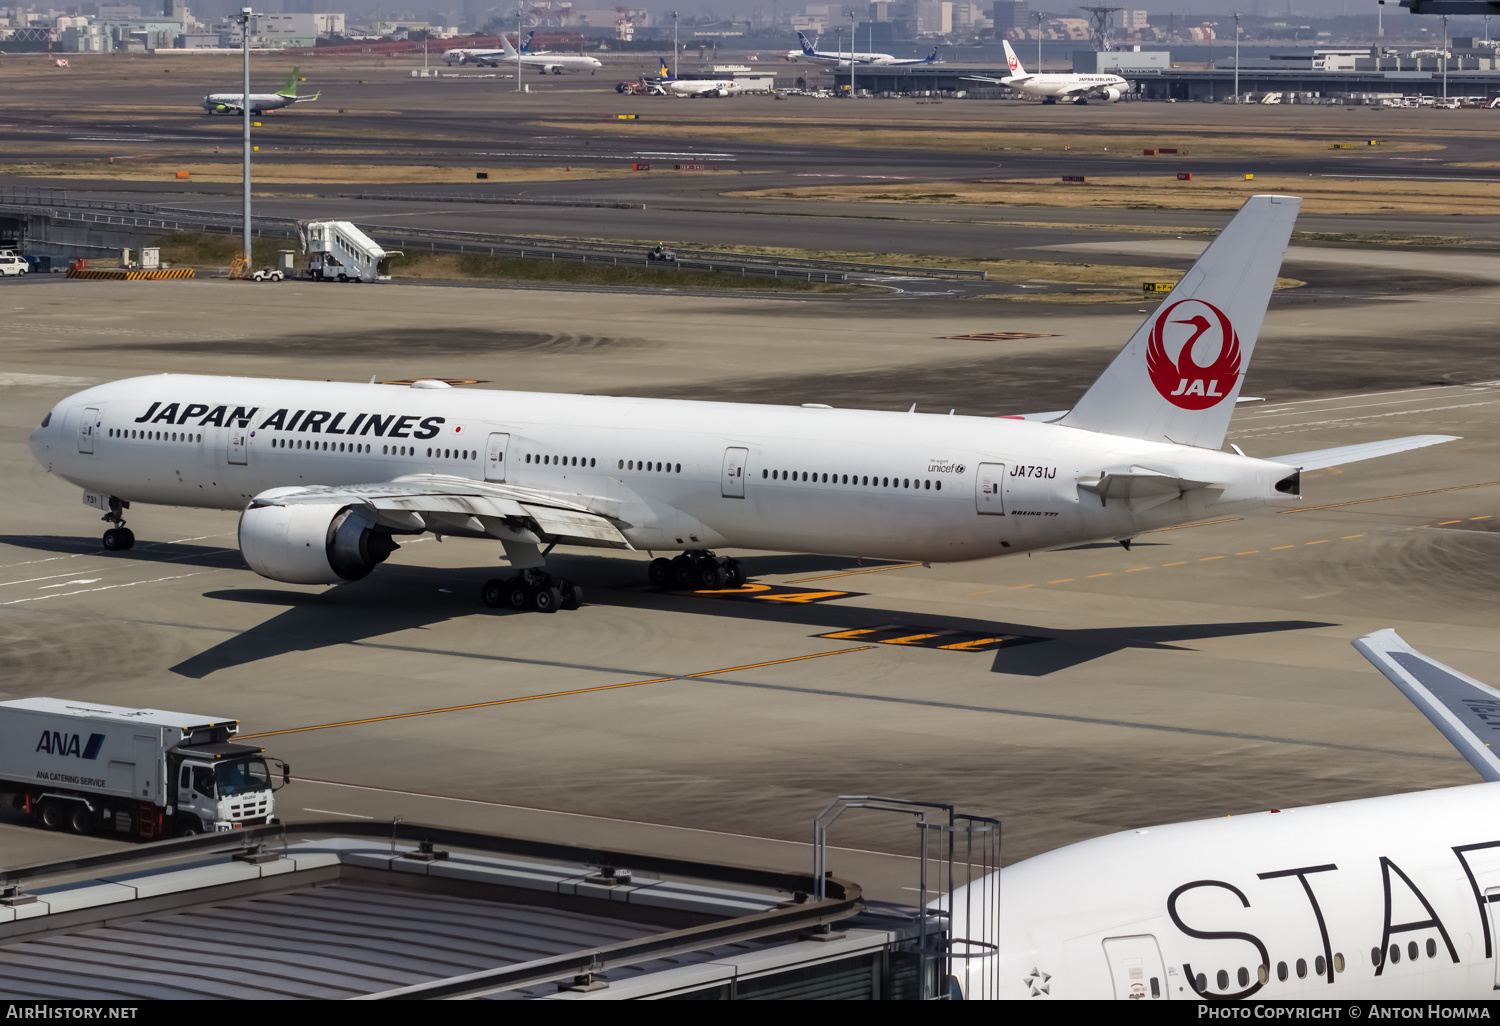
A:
{"points": [[1466, 711]]}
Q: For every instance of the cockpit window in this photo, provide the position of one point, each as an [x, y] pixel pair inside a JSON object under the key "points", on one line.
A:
{"points": [[47, 419]]}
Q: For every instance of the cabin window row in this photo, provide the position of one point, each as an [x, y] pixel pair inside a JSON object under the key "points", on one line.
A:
{"points": [[921, 484], [1263, 973], [155, 436], [1412, 952], [453, 454], [546, 459], [647, 465], [321, 446]]}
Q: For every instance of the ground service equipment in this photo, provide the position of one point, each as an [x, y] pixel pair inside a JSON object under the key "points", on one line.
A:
{"points": [[336, 250], [141, 773]]}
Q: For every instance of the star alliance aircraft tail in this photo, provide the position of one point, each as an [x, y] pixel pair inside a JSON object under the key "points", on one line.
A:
{"points": [[1178, 377], [809, 49]]}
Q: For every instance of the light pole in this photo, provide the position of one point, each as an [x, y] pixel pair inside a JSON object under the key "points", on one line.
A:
{"points": [[853, 24], [518, 47], [1445, 56], [674, 44], [1379, 23], [1236, 57], [244, 20], [1038, 16]]}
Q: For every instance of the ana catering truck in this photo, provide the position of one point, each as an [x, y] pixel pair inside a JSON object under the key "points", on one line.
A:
{"points": [[338, 251], [142, 773]]}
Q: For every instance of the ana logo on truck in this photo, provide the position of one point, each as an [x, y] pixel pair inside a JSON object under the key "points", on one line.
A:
{"points": [[57, 743]]}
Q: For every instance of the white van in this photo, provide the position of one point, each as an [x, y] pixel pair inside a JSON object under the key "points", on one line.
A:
{"points": [[10, 264]]}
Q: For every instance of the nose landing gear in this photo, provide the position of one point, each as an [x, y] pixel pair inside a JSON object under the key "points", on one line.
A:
{"points": [[532, 589], [696, 571], [119, 537]]}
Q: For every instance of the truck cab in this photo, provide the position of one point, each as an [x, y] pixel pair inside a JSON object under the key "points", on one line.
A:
{"points": [[218, 787]]}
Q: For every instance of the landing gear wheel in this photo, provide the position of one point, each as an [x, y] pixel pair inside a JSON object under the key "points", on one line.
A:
{"points": [[129, 537], [517, 595], [661, 572], [709, 575], [114, 540], [493, 593], [734, 574], [572, 595], [682, 572], [546, 599], [79, 820], [51, 815]]}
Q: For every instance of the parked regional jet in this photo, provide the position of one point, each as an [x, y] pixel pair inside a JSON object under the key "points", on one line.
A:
{"points": [[667, 84], [1051, 88], [330, 475], [234, 103], [1395, 897], [810, 50]]}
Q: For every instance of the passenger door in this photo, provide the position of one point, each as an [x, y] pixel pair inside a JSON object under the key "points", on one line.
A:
{"points": [[239, 446], [494, 457], [733, 485], [1136, 968], [86, 428], [989, 495]]}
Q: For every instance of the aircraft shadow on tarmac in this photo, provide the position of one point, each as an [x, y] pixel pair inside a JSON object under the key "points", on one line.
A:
{"points": [[215, 556], [388, 603]]}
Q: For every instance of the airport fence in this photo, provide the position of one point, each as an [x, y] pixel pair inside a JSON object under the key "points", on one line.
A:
{"points": [[64, 208]]}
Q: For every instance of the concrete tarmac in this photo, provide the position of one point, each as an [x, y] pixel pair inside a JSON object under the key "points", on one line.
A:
{"points": [[1205, 672]]}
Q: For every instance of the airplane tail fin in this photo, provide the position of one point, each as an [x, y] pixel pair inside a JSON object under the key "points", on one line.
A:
{"points": [[290, 88], [932, 57], [526, 46], [1178, 377], [808, 48], [1012, 61], [510, 51], [666, 72]]}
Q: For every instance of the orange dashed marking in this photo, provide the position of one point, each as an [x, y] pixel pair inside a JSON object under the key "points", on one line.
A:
{"points": [[1348, 536], [1445, 523], [1275, 547], [1485, 517], [1110, 574], [1018, 587], [1137, 569], [1250, 553], [1205, 559], [1065, 580], [1320, 541], [1181, 562]]}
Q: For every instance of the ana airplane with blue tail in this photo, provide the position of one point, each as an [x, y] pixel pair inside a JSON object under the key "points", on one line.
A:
{"points": [[330, 476], [810, 50]]}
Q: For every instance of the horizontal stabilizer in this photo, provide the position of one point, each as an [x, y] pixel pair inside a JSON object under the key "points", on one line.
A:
{"points": [[1466, 711], [1319, 458], [1138, 487]]}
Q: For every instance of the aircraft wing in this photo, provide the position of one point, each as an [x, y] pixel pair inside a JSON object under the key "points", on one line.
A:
{"points": [[1466, 711], [461, 506], [1319, 458], [983, 78]]}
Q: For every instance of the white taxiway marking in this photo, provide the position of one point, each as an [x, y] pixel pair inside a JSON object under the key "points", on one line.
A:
{"points": [[64, 584], [107, 587], [331, 812]]}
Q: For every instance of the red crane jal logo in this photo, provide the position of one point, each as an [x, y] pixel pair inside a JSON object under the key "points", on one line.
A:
{"points": [[1193, 329]]}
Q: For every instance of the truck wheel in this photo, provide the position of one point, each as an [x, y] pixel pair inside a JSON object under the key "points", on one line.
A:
{"points": [[79, 820], [51, 816], [343, 277], [190, 827]]}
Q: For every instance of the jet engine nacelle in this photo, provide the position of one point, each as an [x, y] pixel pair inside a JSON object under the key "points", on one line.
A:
{"points": [[1110, 95], [312, 543]]}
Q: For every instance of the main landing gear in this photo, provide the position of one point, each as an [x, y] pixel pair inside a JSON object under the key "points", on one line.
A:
{"points": [[533, 589], [698, 571], [119, 537]]}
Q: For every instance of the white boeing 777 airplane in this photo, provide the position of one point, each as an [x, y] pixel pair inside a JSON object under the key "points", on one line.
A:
{"points": [[1386, 898], [1078, 88], [330, 475]]}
